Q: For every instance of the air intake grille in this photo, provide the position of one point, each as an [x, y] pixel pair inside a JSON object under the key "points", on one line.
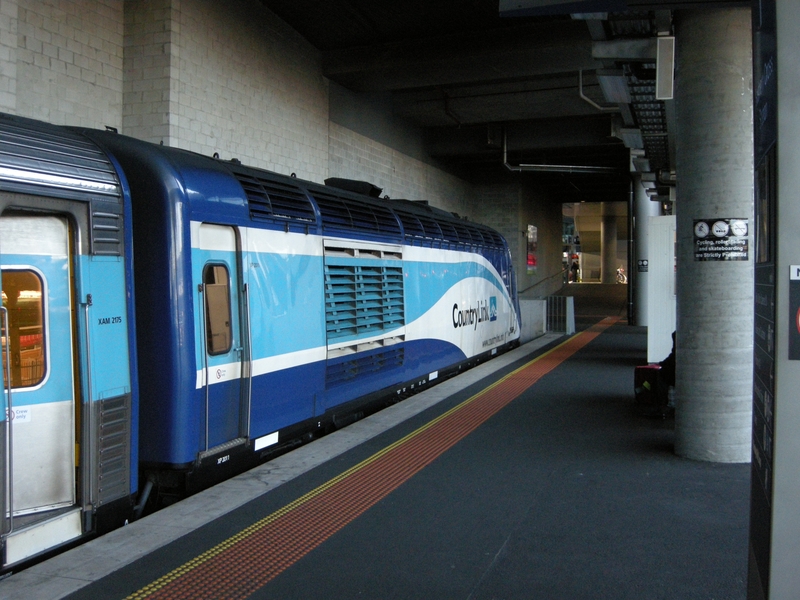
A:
{"points": [[271, 200], [363, 293], [342, 215], [362, 301], [342, 371], [421, 229], [113, 459], [106, 224]]}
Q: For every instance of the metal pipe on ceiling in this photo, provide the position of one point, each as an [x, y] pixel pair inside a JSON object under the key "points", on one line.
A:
{"points": [[589, 100], [544, 168]]}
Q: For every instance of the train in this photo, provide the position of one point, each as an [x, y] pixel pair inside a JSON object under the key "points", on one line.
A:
{"points": [[171, 319]]}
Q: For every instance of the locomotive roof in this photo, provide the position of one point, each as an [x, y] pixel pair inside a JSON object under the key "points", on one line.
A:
{"points": [[340, 210], [300, 205]]}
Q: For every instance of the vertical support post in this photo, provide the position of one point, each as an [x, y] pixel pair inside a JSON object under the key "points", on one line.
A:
{"points": [[608, 247], [644, 208], [714, 163], [570, 327]]}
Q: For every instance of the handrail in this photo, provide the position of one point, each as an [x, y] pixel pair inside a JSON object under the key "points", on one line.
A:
{"points": [[9, 487], [90, 437], [249, 361], [560, 273], [204, 341]]}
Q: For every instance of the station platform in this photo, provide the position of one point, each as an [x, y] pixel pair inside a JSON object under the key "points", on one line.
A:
{"points": [[528, 477]]}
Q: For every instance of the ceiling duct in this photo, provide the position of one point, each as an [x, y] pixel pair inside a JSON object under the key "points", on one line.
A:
{"points": [[614, 84], [632, 138]]}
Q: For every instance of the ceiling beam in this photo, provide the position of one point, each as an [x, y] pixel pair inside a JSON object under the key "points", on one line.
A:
{"points": [[535, 135], [507, 53], [642, 49]]}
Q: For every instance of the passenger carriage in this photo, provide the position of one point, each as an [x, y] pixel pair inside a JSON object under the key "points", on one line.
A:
{"points": [[69, 405]]}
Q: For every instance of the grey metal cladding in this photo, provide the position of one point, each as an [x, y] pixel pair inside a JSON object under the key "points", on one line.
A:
{"points": [[41, 159], [114, 448]]}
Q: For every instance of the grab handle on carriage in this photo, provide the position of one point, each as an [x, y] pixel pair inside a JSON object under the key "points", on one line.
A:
{"points": [[9, 483]]}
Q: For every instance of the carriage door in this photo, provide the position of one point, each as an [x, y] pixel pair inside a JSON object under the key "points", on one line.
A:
{"points": [[222, 345], [39, 378]]}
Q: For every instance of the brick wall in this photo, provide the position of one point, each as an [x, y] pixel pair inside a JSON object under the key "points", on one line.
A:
{"points": [[8, 55], [68, 60], [546, 216], [229, 77], [354, 156], [510, 208], [499, 207], [149, 49], [226, 77]]}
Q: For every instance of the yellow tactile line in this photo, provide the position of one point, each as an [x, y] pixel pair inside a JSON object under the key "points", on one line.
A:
{"points": [[231, 541]]}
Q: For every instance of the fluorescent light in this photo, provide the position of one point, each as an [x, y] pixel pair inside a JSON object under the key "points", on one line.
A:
{"points": [[665, 68]]}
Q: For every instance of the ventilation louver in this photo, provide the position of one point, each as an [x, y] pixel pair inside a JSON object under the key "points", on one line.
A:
{"points": [[274, 200], [106, 226], [362, 300], [341, 215], [343, 370]]}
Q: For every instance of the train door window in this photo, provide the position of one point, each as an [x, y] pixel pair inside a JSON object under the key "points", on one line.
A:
{"points": [[22, 298], [218, 309]]}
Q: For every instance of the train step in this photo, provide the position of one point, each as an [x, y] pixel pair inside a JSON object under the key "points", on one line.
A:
{"points": [[41, 535]]}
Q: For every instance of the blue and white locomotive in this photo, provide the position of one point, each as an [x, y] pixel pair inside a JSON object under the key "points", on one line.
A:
{"points": [[267, 310]]}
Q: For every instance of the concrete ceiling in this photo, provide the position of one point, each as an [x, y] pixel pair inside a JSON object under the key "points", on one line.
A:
{"points": [[496, 89]]}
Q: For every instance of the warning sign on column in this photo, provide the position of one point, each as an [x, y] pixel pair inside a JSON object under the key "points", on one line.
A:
{"points": [[794, 313], [721, 239]]}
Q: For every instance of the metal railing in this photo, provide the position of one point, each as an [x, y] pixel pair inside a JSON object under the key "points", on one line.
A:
{"points": [[560, 314], [563, 275]]}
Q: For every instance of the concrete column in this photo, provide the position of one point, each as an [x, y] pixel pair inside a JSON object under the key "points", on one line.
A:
{"points": [[714, 156], [644, 208], [151, 79], [608, 247]]}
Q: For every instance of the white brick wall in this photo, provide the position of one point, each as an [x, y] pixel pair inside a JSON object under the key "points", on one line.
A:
{"points": [[226, 77], [8, 55], [68, 60], [148, 52], [208, 76], [220, 76], [355, 156]]}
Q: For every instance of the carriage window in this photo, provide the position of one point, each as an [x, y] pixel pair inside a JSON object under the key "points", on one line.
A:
{"points": [[22, 297], [218, 309]]}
